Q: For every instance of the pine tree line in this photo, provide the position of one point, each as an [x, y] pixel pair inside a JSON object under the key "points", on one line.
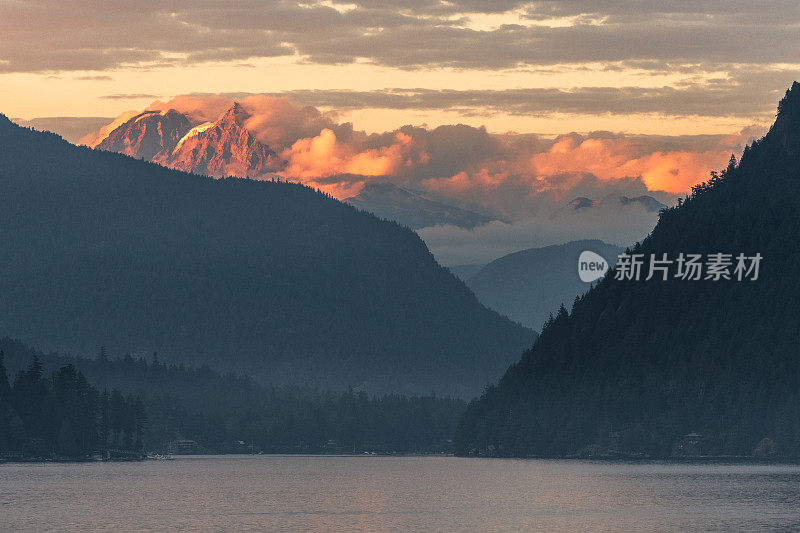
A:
{"points": [[63, 415]]}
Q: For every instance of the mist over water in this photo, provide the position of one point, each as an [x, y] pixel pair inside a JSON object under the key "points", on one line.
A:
{"points": [[320, 493]]}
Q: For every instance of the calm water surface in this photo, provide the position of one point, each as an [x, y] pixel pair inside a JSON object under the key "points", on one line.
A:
{"points": [[298, 493]]}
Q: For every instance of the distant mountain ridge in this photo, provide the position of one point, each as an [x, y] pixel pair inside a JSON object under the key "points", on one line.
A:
{"points": [[465, 271], [528, 286], [411, 209], [274, 280], [646, 201]]}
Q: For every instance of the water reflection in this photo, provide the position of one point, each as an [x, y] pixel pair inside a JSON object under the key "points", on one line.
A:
{"points": [[397, 494]]}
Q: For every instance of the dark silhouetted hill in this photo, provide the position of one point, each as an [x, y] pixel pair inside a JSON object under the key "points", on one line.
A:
{"points": [[270, 279], [674, 367]]}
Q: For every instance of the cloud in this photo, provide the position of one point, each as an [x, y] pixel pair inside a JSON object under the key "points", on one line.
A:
{"points": [[743, 92], [623, 10], [278, 122], [722, 59], [615, 158], [324, 156], [512, 177], [94, 78], [129, 96], [622, 225], [46, 35], [199, 109], [732, 99], [516, 176]]}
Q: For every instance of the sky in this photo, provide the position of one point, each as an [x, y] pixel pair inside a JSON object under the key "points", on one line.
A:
{"points": [[557, 97]]}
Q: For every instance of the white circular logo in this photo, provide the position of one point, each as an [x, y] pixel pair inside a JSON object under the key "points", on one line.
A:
{"points": [[591, 266]]}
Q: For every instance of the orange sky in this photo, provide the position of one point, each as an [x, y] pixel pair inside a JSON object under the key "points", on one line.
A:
{"points": [[660, 69], [545, 67], [84, 93]]}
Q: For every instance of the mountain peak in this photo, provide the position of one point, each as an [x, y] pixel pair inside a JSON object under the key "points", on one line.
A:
{"points": [[791, 99], [582, 202], [170, 138], [787, 123], [235, 114], [150, 135], [224, 148]]}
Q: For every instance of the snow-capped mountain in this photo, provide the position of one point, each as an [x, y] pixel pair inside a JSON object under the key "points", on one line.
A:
{"points": [[151, 135], [221, 148]]}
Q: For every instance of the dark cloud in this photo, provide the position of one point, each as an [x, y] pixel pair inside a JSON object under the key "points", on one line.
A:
{"points": [[514, 45], [677, 10], [749, 93], [133, 96], [42, 35], [718, 100], [437, 7], [449, 149], [94, 78]]}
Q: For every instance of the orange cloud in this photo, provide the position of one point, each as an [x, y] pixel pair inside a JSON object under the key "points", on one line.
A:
{"points": [[615, 158], [461, 182], [676, 172], [324, 155], [278, 123], [510, 175]]}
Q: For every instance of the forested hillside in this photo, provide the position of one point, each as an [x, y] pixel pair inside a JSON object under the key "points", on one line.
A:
{"points": [[657, 367], [270, 279], [220, 412]]}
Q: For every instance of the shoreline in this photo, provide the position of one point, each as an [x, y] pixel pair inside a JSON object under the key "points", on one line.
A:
{"points": [[598, 460]]}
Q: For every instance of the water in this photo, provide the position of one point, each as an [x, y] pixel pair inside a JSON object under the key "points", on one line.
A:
{"points": [[300, 493]]}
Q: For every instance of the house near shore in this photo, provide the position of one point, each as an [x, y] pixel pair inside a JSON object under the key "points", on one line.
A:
{"points": [[184, 447], [690, 445]]}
